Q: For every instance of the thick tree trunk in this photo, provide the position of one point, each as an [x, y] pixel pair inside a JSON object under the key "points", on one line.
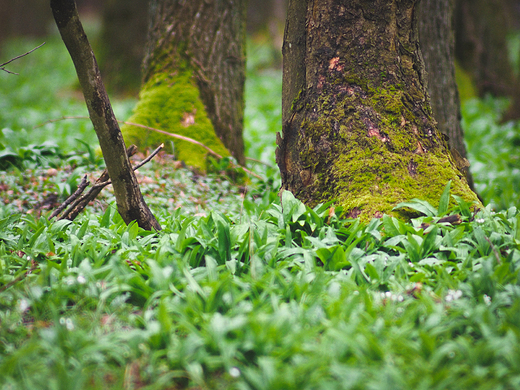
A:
{"points": [[357, 120], [194, 72], [437, 38], [130, 202]]}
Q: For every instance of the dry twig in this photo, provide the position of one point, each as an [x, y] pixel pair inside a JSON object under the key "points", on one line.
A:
{"points": [[2, 66], [173, 135], [78, 204]]}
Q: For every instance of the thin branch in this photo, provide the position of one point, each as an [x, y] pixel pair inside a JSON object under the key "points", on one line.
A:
{"points": [[78, 204], [2, 66], [152, 155], [177, 136], [60, 119], [259, 162], [34, 265], [497, 256], [173, 135]]}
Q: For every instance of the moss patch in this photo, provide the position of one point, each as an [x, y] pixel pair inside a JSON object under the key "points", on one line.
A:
{"points": [[171, 102], [465, 84], [379, 181]]}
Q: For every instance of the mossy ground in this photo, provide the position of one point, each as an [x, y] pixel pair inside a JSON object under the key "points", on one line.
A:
{"points": [[171, 102]]}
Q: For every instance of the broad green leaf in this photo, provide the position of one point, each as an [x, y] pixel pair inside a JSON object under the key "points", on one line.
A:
{"points": [[419, 205]]}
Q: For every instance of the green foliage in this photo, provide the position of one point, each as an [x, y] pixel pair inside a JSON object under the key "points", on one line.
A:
{"points": [[493, 152], [263, 111], [278, 296], [46, 88]]}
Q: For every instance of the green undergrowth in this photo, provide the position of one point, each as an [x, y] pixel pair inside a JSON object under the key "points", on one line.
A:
{"points": [[276, 296], [493, 151]]}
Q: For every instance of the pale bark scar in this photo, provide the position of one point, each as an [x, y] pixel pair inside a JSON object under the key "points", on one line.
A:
{"points": [[335, 65]]}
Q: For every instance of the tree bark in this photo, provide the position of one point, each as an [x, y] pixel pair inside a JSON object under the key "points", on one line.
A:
{"points": [[357, 120], [123, 38], [130, 202], [437, 39], [194, 72], [481, 45], [17, 18]]}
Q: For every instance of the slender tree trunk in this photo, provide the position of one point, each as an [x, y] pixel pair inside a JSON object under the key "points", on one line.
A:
{"points": [[357, 119], [194, 72], [437, 38], [130, 202]]}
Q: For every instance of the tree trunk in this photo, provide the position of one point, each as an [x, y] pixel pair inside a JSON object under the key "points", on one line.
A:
{"points": [[130, 202], [20, 19], [481, 45], [357, 120], [123, 38], [194, 72], [437, 40]]}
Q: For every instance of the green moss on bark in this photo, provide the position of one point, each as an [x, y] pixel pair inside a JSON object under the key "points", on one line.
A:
{"points": [[171, 102], [365, 151]]}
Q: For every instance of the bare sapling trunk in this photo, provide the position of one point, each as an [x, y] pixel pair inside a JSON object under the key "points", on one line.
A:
{"points": [[130, 202]]}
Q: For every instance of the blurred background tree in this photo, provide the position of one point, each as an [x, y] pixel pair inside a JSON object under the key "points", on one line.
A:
{"points": [[122, 42], [483, 32], [437, 40], [33, 18]]}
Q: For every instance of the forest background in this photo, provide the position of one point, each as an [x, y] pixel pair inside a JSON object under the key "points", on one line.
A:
{"points": [[236, 291]]}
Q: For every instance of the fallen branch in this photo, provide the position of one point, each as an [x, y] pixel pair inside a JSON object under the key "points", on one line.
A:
{"points": [[2, 66], [173, 135], [84, 183], [78, 204]]}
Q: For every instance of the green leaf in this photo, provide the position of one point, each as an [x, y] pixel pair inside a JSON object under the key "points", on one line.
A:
{"points": [[419, 205], [292, 207], [429, 242], [444, 202]]}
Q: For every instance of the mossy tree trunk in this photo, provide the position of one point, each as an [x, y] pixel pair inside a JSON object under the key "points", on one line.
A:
{"points": [[357, 119], [194, 72], [437, 39]]}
